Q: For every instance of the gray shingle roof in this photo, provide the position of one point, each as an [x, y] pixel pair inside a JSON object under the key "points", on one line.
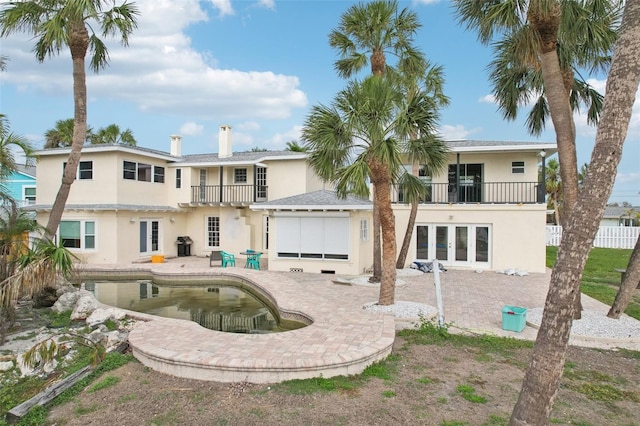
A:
{"points": [[321, 199], [616, 212]]}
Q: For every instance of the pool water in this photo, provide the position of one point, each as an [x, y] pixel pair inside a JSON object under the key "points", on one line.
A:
{"points": [[216, 306]]}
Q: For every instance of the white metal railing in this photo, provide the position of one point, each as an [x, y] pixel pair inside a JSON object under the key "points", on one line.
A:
{"points": [[623, 237]]}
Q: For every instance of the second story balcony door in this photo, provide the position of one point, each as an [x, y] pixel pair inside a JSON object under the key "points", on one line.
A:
{"points": [[465, 183]]}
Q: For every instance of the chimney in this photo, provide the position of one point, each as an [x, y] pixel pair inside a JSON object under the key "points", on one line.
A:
{"points": [[176, 145], [224, 141]]}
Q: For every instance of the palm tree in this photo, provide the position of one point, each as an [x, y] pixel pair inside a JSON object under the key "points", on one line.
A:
{"points": [[429, 80], [294, 146], [542, 378], [61, 135], [363, 135], [8, 142], [113, 135], [367, 33], [59, 23], [542, 45]]}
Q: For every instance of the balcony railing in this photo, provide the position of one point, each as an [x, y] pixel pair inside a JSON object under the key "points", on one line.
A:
{"points": [[228, 194], [487, 193]]}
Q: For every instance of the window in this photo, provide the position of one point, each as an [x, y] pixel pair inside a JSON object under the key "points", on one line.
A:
{"points": [[213, 231], [239, 175], [313, 237], [364, 230], [178, 178], [129, 170], [517, 167], [142, 172], [29, 194], [78, 234], [158, 174], [84, 171], [266, 233]]}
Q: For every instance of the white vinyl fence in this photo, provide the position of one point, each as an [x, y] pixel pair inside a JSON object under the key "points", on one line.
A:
{"points": [[607, 237]]}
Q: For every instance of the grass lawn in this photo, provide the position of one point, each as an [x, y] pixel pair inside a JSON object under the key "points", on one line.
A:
{"points": [[599, 279]]}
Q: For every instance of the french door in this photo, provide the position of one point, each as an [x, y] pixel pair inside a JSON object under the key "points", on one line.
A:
{"points": [[454, 245], [149, 236]]}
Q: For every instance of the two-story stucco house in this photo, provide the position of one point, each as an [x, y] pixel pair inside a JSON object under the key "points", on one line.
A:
{"points": [[129, 203]]}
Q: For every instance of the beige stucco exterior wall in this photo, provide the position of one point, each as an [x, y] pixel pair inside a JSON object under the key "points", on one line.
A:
{"points": [[107, 185], [360, 252], [517, 235], [497, 166]]}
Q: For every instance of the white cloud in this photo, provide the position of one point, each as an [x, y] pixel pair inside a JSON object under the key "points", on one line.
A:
{"points": [[267, 4], [279, 140], [457, 132], [191, 129], [224, 6], [160, 72], [487, 99]]}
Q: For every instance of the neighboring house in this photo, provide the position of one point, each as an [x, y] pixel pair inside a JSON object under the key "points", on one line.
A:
{"points": [[129, 203], [621, 216], [21, 185]]}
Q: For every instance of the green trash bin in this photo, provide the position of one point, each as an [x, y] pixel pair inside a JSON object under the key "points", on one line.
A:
{"points": [[514, 318]]}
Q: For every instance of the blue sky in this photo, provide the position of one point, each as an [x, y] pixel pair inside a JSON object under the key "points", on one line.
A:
{"points": [[259, 66]]}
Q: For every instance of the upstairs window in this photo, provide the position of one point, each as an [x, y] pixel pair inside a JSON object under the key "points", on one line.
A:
{"points": [[517, 167], [239, 175], [142, 172], [178, 178], [29, 194], [84, 171], [158, 174]]}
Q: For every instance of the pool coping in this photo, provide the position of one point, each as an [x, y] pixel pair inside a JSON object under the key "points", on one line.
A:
{"points": [[342, 340]]}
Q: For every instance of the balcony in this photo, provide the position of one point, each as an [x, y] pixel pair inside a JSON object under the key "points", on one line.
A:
{"points": [[480, 192], [228, 194]]}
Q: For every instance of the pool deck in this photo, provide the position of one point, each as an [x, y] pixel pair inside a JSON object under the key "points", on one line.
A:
{"points": [[343, 338]]}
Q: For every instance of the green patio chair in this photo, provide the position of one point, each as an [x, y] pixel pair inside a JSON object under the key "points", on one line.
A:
{"points": [[228, 259], [253, 261]]}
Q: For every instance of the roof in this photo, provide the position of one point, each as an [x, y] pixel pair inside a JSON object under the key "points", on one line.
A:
{"points": [[26, 170], [317, 200], [464, 145], [104, 207], [618, 212], [248, 157]]}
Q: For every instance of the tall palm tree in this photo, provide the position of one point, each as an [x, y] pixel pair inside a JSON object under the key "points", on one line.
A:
{"points": [[62, 134], [429, 80], [543, 45], [9, 141], [366, 35], [364, 135], [542, 378], [56, 24], [113, 135], [541, 49]]}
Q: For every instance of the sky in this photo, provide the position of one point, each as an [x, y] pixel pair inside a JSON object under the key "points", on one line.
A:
{"points": [[259, 66]]}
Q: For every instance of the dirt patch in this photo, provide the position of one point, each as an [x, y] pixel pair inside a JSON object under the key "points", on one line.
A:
{"points": [[428, 384]]}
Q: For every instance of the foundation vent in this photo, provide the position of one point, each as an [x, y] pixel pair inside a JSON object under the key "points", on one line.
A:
{"points": [[296, 270]]}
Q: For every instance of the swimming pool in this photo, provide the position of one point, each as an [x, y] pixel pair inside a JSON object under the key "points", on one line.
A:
{"points": [[220, 305]]}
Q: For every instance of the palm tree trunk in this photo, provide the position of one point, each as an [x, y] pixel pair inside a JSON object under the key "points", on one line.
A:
{"points": [[540, 385], [78, 43], [377, 250], [628, 285], [382, 188], [546, 24], [404, 250]]}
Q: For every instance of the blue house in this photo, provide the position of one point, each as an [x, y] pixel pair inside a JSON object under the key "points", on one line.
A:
{"points": [[21, 185]]}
